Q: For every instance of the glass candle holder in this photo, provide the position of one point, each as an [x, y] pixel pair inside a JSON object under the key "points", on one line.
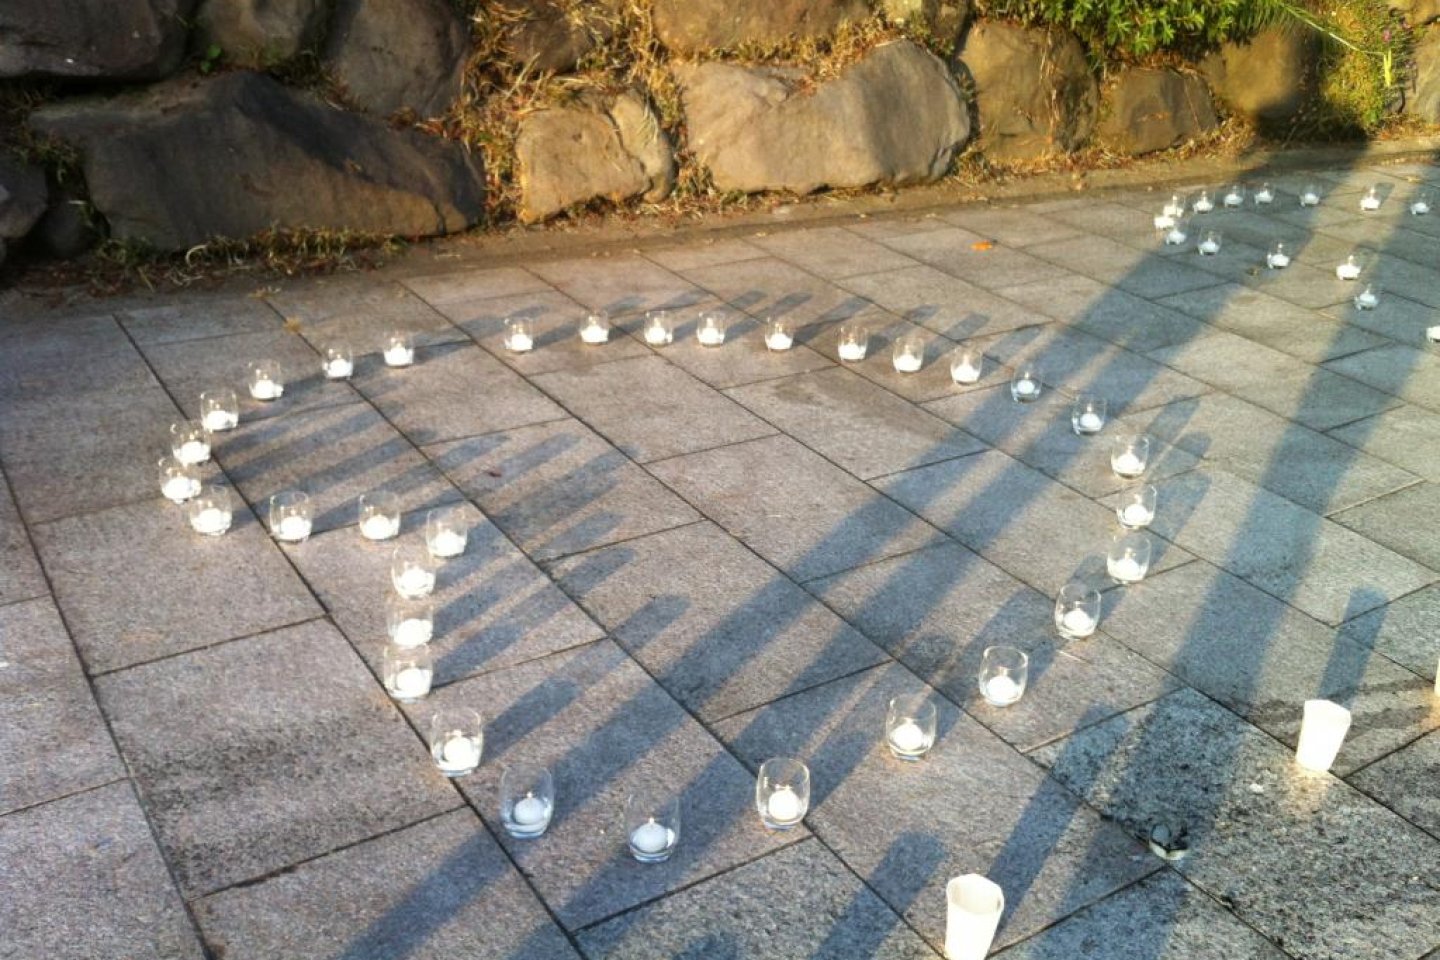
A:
{"points": [[1350, 268], [1209, 243], [710, 328], [1310, 195], [290, 517], [399, 349], [594, 328], [1130, 456], [779, 335], [908, 354], [1178, 233], [782, 792], [219, 410], [659, 328], [1368, 297], [410, 623], [178, 481], [1322, 733], [966, 365], [408, 672], [1135, 506], [652, 824], [1203, 203], [412, 571], [446, 532], [527, 800], [457, 740], [1234, 197], [189, 443], [1174, 207], [854, 342], [1004, 672], [338, 362], [1433, 334], [1026, 385], [1129, 558], [212, 512], [1087, 415], [1279, 256], [1420, 203], [379, 515], [266, 380], [519, 335], [910, 724], [1077, 611], [1370, 200], [1264, 194]]}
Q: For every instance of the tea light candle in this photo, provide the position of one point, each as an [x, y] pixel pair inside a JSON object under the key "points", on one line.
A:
{"points": [[218, 421], [1176, 236], [650, 837], [180, 489], [783, 806], [1001, 689], [339, 368], [1349, 270], [519, 342], [212, 521], [1371, 200], [379, 527], [1265, 195], [193, 452], [1125, 569], [1367, 299], [1209, 247], [1234, 198], [779, 339], [1432, 334], [852, 352], [1026, 388], [1136, 515], [1077, 622], [710, 335], [459, 753], [1090, 422], [1277, 261], [415, 582], [1164, 222], [657, 335], [413, 683], [1173, 207], [293, 529], [399, 355], [1127, 465], [907, 738], [1309, 198], [413, 632], [1322, 732], [1419, 208], [906, 362], [263, 388], [594, 332], [446, 544], [530, 811], [1203, 203]]}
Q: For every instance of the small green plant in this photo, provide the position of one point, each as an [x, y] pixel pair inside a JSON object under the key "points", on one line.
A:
{"points": [[210, 59]]}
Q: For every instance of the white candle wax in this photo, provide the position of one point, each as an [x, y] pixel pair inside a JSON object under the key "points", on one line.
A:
{"points": [[293, 529], [211, 521], [1265, 196], [1176, 237], [180, 489], [908, 363], [778, 340], [1432, 334], [411, 683], [413, 632], [192, 452], [1136, 515], [399, 356], [446, 544], [852, 352], [1025, 388], [218, 421], [650, 837], [339, 369], [1002, 690], [783, 806], [656, 335], [530, 811], [1165, 221], [1077, 622], [1369, 203], [1234, 199], [1127, 464], [379, 527], [266, 389], [1209, 248], [1348, 270], [415, 582], [1204, 205], [1125, 569], [594, 333], [908, 738], [1309, 199], [1090, 421], [1419, 208], [459, 753], [964, 372], [519, 343], [710, 336], [1173, 208], [1367, 300], [1278, 261]]}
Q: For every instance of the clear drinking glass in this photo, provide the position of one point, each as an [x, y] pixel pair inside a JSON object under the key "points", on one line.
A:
{"points": [[1178, 233], [399, 349], [1368, 298], [446, 532], [1077, 611], [1026, 385], [1003, 674], [910, 726], [1130, 456], [527, 800], [410, 622], [908, 354], [1234, 197], [1265, 194], [457, 739], [408, 672], [1087, 415], [594, 328], [711, 327], [189, 442], [1209, 243], [212, 512], [219, 410], [782, 792], [1420, 203], [379, 514], [1351, 267], [659, 328], [412, 571], [266, 380], [652, 824], [178, 481], [519, 335], [1310, 195], [966, 365], [1135, 507], [338, 362], [1279, 256], [779, 335], [1129, 558], [1371, 199], [290, 516], [854, 342], [1203, 203]]}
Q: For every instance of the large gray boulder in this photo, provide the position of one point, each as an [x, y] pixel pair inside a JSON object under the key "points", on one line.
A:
{"points": [[259, 33], [897, 116], [547, 37], [1034, 93], [1424, 99], [190, 159], [690, 26], [24, 195], [1147, 109], [92, 39], [602, 148], [1267, 79], [393, 55], [944, 19]]}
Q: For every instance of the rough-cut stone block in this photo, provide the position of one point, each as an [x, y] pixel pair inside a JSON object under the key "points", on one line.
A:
{"points": [[392, 55], [1147, 109], [694, 25]]}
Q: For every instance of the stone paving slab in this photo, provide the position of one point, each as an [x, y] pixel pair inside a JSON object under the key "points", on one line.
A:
{"points": [[199, 318], [1407, 436], [454, 290], [943, 304], [704, 252], [1160, 918], [973, 805], [437, 890], [1276, 323], [832, 252], [1263, 660], [650, 409], [1403, 371], [493, 607], [1265, 837], [1030, 526], [605, 729], [136, 583], [1401, 319], [771, 288], [1105, 312], [1014, 226], [557, 488], [554, 320], [937, 610], [453, 391], [255, 755], [1314, 564], [793, 508], [51, 733], [976, 260], [1280, 455], [20, 574], [360, 312], [866, 430], [798, 902], [743, 358], [623, 283], [47, 347], [1404, 781], [1040, 435], [335, 455], [83, 880], [1316, 397], [717, 627], [932, 381], [1141, 272], [1404, 521], [1405, 630]]}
